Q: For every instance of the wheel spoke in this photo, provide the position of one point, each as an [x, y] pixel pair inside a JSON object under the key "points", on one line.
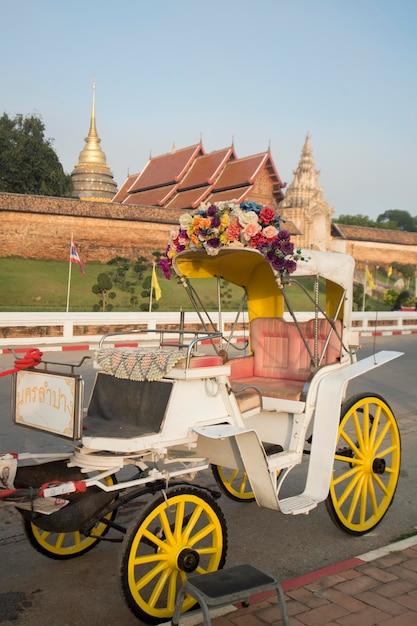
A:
{"points": [[372, 494], [179, 521], [349, 489], [363, 499], [375, 426], [192, 522], [159, 587], [358, 431], [154, 539], [381, 436], [204, 532], [169, 537], [381, 485], [355, 498], [172, 590], [356, 451], [151, 575]]}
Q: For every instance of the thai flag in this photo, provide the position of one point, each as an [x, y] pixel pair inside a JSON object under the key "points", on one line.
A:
{"points": [[75, 258]]}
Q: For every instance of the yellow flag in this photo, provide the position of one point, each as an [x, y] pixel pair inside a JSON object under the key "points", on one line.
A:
{"points": [[369, 279], [389, 272], [155, 284]]}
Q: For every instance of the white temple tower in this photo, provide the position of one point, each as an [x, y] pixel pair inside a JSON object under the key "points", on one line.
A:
{"points": [[305, 206]]}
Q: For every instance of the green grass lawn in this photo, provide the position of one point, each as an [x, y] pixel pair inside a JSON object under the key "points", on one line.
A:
{"points": [[35, 285]]}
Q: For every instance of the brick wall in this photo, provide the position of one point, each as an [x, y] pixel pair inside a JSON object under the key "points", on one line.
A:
{"points": [[40, 227]]}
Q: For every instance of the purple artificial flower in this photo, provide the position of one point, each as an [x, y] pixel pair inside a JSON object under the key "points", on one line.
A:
{"points": [[212, 210], [213, 243], [278, 264], [270, 256], [283, 234], [290, 266], [215, 221], [287, 247], [165, 267]]}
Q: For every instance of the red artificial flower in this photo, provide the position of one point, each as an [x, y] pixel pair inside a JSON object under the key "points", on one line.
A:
{"points": [[267, 214]]}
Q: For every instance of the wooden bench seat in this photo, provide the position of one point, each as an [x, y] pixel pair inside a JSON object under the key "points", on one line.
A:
{"points": [[281, 364]]}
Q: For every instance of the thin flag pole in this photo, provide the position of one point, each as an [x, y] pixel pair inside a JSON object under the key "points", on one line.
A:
{"points": [[69, 275], [364, 286], [150, 295]]}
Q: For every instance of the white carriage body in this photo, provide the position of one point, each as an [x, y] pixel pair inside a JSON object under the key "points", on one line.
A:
{"points": [[203, 420]]}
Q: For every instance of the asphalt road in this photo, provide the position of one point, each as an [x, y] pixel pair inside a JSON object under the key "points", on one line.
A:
{"points": [[86, 589]]}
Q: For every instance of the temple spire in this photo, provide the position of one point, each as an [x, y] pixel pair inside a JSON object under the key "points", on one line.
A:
{"points": [[93, 130], [305, 205], [92, 178]]}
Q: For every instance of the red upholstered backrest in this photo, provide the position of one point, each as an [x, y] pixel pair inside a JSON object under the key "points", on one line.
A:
{"points": [[279, 351]]}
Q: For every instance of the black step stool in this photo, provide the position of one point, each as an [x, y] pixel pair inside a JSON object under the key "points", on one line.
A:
{"points": [[227, 586]]}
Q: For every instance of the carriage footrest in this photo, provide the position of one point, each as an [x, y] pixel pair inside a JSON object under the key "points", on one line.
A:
{"points": [[296, 505], [228, 586]]}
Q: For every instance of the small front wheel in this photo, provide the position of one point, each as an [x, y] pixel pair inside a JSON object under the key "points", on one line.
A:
{"points": [[67, 545], [180, 532], [366, 465]]}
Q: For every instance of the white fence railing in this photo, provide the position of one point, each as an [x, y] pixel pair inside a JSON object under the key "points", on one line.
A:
{"points": [[31, 329]]}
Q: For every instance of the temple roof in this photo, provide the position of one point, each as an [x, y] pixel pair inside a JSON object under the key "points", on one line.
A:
{"points": [[167, 168], [378, 235], [122, 193], [242, 171], [182, 179], [157, 196], [206, 168]]}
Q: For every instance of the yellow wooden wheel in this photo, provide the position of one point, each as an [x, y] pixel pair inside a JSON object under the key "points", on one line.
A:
{"points": [[234, 483], [66, 545], [366, 466], [182, 531]]}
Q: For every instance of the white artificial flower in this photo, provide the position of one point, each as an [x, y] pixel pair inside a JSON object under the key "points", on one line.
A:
{"points": [[247, 217], [186, 221], [211, 251]]}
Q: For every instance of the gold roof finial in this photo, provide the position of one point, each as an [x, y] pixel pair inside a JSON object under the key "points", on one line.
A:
{"points": [[92, 152]]}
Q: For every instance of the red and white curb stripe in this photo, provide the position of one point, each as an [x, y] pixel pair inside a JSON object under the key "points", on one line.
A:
{"points": [[342, 566], [92, 347]]}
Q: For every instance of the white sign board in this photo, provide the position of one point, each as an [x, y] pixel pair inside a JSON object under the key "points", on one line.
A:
{"points": [[50, 402]]}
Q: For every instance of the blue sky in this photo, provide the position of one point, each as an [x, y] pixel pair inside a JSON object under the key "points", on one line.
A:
{"points": [[261, 72]]}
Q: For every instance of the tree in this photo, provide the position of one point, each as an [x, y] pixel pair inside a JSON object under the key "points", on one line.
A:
{"points": [[28, 162], [122, 266], [398, 220], [146, 294], [102, 288], [355, 220], [389, 297], [406, 269], [140, 267]]}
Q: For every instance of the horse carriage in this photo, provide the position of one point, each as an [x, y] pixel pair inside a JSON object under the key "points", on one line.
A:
{"points": [[249, 404]]}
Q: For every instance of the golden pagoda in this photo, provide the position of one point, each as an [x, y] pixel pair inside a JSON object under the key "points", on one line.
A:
{"points": [[91, 177]]}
